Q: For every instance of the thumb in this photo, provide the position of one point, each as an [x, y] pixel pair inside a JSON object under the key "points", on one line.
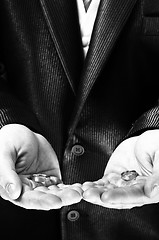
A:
{"points": [[152, 183], [9, 179], [11, 185], [151, 187]]}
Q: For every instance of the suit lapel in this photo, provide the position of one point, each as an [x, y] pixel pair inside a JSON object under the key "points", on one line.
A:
{"points": [[62, 20], [111, 18]]}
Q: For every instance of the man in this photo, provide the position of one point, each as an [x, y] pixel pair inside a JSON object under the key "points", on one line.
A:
{"points": [[72, 101]]}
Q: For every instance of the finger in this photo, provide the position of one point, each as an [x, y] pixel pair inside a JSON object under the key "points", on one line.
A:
{"points": [[9, 179], [38, 200], [156, 162], [69, 194], [128, 203], [151, 187], [93, 195], [117, 195], [152, 183], [125, 195], [87, 185], [77, 187], [3, 193]]}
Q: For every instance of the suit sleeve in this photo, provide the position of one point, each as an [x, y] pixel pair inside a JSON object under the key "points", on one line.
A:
{"points": [[11, 109], [148, 121]]}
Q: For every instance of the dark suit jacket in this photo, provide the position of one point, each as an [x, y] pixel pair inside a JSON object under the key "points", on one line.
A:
{"points": [[47, 86]]}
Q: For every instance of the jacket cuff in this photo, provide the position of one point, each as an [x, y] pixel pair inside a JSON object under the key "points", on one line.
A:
{"points": [[19, 116], [148, 121]]}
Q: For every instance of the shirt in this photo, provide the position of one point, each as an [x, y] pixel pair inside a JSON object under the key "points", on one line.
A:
{"points": [[86, 21]]}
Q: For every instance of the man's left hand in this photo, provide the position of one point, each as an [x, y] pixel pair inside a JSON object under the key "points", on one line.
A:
{"points": [[140, 153]]}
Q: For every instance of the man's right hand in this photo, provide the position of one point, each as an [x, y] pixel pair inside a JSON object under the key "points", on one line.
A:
{"points": [[23, 153]]}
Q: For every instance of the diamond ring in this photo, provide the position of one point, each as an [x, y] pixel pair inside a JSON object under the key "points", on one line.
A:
{"points": [[40, 179], [129, 175]]}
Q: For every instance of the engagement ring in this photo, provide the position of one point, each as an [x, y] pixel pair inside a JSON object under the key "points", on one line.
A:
{"points": [[129, 175], [41, 179]]}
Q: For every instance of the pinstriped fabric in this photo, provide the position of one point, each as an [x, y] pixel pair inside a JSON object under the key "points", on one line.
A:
{"points": [[151, 9], [151, 26], [35, 57], [104, 39], [148, 120], [65, 32], [108, 26], [34, 69]]}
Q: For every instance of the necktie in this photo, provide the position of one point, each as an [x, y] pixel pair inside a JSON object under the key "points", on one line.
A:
{"points": [[86, 4]]}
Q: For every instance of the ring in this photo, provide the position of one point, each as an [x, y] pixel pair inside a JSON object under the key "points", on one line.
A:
{"points": [[41, 179], [129, 175]]}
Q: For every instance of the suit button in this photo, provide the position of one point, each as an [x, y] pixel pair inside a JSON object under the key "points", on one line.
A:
{"points": [[73, 215], [77, 150]]}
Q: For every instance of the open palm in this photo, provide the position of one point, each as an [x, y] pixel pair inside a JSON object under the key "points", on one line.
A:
{"points": [[137, 153], [23, 153]]}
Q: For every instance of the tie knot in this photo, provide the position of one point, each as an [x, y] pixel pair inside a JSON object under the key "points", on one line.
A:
{"points": [[86, 4]]}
